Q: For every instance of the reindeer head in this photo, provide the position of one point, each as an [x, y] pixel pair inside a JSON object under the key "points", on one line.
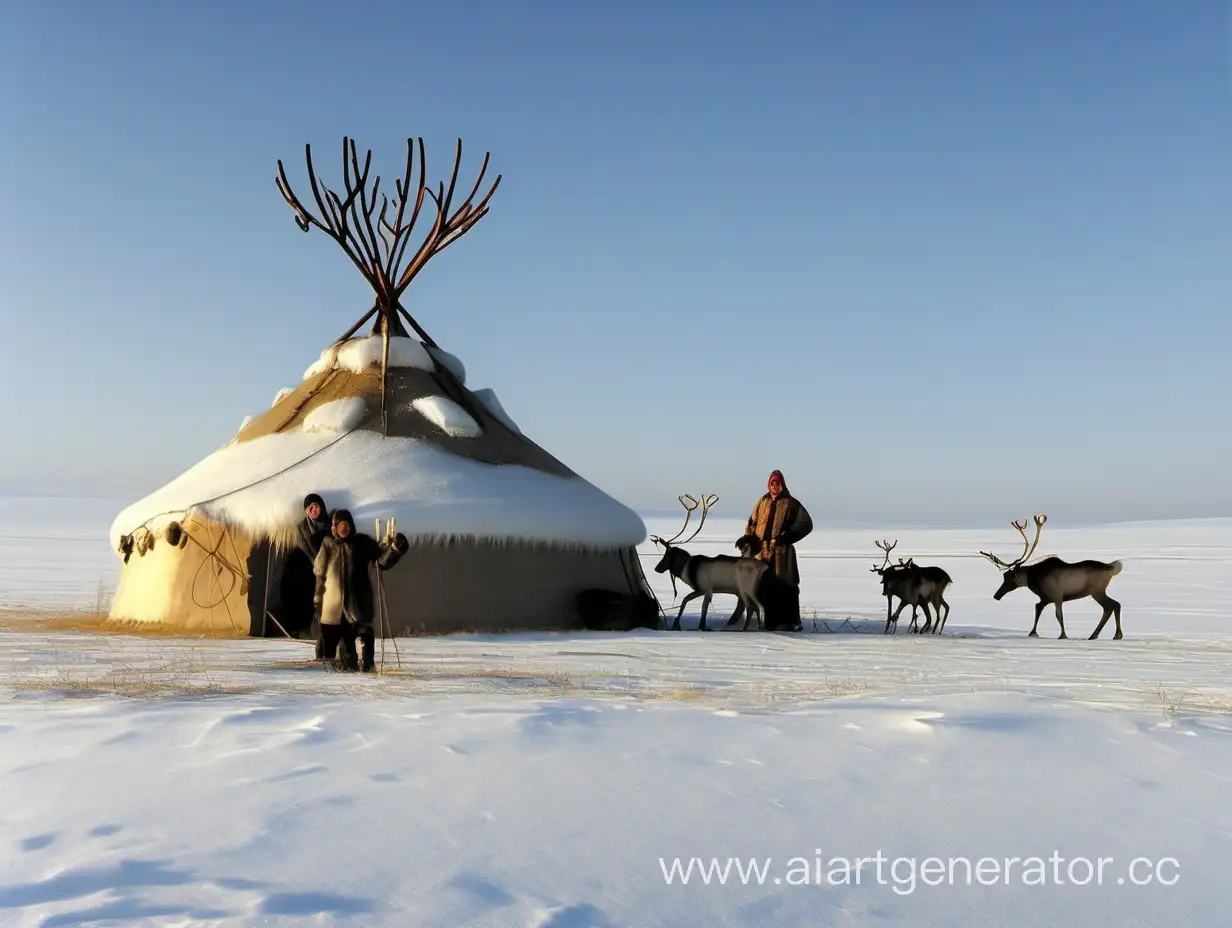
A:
{"points": [[886, 570], [748, 545], [1014, 573], [674, 557]]}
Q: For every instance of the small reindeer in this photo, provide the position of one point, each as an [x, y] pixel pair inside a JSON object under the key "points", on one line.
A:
{"points": [[749, 547], [710, 575], [915, 586], [1056, 581]]}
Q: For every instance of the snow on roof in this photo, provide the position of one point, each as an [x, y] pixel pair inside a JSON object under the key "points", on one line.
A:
{"points": [[260, 486], [487, 396], [359, 354], [451, 362], [323, 363], [447, 416], [337, 416]]}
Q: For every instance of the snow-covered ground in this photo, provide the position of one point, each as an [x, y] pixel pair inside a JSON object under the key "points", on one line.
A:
{"points": [[54, 551], [552, 779]]}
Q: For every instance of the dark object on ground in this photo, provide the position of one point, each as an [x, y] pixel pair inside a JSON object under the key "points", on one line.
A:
{"points": [[781, 601], [603, 610]]}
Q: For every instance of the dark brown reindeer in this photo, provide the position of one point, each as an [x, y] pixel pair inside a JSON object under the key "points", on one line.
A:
{"points": [[915, 586], [709, 575], [1056, 581]]}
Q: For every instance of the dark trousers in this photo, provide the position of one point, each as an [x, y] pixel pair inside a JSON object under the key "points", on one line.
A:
{"points": [[345, 633]]}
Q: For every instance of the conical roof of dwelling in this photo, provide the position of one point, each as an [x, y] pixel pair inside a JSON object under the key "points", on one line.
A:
{"points": [[425, 399], [445, 461]]}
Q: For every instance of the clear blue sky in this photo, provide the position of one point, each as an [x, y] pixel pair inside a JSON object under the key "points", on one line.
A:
{"points": [[939, 262]]}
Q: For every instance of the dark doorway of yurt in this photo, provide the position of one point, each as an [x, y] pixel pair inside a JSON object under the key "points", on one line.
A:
{"points": [[279, 592]]}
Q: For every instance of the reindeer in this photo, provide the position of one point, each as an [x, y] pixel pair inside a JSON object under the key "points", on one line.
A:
{"points": [[1056, 581], [915, 586], [710, 575]]}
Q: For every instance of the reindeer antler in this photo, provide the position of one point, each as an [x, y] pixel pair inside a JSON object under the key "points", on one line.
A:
{"points": [[887, 547], [707, 502], [685, 501], [1028, 547]]}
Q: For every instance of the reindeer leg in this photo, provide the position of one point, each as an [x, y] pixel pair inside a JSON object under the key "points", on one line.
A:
{"points": [[1061, 621], [752, 607], [1103, 619], [1116, 610], [1110, 605], [928, 619], [684, 602], [1039, 608], [735, 617], [705, 605], [941, 625], [901, 606], [889, 609], [914, 628]]}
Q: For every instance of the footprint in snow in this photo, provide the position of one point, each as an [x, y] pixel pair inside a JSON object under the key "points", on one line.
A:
{"points": [[583, 915], [482, 890], [456, 749], [315, 903], [122, 738], [297, 772], [104, 831], [37, 842], [252, 714]]}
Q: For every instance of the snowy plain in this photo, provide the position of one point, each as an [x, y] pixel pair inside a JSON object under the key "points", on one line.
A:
{"points": [[549, 779]]}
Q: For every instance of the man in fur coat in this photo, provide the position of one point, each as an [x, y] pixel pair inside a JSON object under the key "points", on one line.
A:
{"points": [[343, 601], [780, 520]]}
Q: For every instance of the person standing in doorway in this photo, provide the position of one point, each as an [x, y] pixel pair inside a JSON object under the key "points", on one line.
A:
{"points": [[297, 582], [313, 527]]}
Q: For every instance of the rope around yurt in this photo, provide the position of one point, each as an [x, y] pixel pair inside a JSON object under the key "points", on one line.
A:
{"points": [[183, 513], [213, 555], [645, 584]]}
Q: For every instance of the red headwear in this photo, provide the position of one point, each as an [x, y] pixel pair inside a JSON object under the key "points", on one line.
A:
{"points": [[776, 474]]}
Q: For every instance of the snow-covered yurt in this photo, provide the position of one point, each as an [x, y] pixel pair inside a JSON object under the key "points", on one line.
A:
{"points": [[503, 535]]}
